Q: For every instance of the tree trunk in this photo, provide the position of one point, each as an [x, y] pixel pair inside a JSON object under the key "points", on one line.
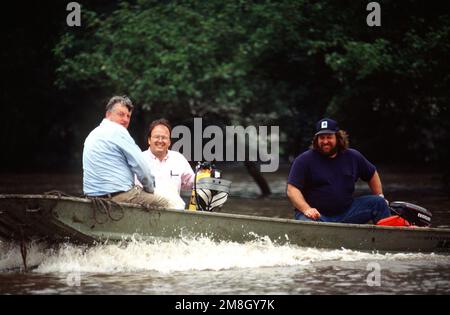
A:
{"points": [[254, 172]]}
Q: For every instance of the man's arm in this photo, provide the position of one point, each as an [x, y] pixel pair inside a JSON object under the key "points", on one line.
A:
{"points": [[188, 175], [375, 184], [136, 161], [298, 201]]}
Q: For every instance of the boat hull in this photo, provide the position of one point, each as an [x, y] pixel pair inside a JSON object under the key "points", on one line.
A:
{"points": [[61, 219]]}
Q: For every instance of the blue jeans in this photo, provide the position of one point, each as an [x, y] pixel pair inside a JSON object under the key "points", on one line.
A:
{"points": [[362, 210]]}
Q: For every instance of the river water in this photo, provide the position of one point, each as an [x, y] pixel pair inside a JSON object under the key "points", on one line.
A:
{"points": [[202, 266]]}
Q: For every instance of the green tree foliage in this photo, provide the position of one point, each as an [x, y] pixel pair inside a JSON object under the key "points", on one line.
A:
{"points": [[284, 62], [234, 61], [393, 83]]}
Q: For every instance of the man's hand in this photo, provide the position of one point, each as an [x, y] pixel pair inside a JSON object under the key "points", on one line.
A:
{"points": [[299, 202], [312, 213]]}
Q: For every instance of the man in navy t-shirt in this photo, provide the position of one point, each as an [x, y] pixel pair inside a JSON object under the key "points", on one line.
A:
{"points": [[322, 181]]}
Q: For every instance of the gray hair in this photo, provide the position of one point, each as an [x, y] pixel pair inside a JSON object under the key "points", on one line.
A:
{"points": [[124, 100]]}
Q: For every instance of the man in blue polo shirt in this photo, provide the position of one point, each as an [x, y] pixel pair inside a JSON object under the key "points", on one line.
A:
{"points": [[322, 181], [111, 158]]}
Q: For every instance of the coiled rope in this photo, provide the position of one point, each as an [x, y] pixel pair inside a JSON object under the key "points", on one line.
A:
{"points": [[102, 206]]}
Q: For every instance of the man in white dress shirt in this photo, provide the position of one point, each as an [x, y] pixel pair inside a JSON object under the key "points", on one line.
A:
{"points": [[171, 169]]}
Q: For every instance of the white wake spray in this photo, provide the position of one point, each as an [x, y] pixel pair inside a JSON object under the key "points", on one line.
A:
{"points": [[200, 253]]}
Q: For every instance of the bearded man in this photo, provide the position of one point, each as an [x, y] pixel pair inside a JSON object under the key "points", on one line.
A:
{"points": [[322, 180]]}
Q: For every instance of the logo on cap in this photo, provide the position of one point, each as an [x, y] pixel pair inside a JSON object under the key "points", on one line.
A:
{"points": [[326, 125]]}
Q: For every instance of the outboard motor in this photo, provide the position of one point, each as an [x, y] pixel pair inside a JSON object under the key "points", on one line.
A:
{"points": [[407, 214], [210, 191], [412, 213]]}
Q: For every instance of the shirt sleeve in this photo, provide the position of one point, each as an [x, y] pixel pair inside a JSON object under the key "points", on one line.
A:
{"points": [[365, 168], [136, 161], [297, 174]]}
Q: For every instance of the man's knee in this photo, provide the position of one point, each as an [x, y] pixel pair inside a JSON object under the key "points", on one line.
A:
{"points": [[375, 201], [381, 201], [382, 207], [161, 201], [157, 200]]}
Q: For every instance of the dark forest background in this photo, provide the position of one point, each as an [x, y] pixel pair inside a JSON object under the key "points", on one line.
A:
{"points": [[285, 63]]}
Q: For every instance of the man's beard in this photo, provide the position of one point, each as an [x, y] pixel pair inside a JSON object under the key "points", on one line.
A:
{"points": [[332, 152]]}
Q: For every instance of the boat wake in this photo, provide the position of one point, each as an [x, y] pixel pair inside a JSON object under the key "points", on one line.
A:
{"points": [[184, 254]]}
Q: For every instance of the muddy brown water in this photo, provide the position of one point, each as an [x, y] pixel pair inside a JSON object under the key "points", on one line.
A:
{"points": [[201, 266]]}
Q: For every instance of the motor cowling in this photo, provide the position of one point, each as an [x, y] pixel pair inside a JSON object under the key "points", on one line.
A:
{"points": [[210, 191], [412, 213]]}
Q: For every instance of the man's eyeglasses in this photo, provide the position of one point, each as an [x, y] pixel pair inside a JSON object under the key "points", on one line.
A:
{"points": [[161, 138]]}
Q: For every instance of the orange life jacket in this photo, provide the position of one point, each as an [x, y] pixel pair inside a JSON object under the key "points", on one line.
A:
{"points": [[393, 220]]}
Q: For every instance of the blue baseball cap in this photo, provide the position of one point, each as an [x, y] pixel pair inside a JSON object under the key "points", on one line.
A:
{"points": [[326, 125]]}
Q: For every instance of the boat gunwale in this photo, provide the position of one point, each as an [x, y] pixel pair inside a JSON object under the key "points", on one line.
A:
{"points": [[238, 216]]}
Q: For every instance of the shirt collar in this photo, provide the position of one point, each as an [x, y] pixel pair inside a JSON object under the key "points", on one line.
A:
{"points": [[107, 122], [154, 156]]}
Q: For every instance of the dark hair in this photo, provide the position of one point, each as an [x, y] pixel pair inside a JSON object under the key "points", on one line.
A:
{"points": [[124, 100], [157, 122], [342, 141]]}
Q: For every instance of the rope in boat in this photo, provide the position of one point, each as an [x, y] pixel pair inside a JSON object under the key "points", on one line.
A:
{"points": [[99, 206], [104, 206]]}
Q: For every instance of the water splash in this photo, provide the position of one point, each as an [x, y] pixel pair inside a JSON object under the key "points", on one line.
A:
{"points": [[11, 257], [187, 253]]}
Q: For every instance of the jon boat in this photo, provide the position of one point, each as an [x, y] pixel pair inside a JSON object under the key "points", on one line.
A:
{"points": [[80, 220]]}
